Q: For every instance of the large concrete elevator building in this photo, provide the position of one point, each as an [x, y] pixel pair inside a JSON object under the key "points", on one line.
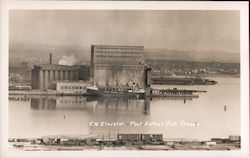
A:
{"points": [[44, 75], [117, 65]]}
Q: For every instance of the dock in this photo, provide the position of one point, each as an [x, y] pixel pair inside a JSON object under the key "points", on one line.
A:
{"points": [[175, 93]]}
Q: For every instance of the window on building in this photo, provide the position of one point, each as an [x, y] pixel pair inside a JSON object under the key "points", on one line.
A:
{"points": [[62, 87]]}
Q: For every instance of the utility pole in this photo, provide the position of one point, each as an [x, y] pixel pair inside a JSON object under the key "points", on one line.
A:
{"points": [[118, 134], [109, 138]]}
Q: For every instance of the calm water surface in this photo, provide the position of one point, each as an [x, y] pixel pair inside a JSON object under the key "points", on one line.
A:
{"points": [[198, 118]]}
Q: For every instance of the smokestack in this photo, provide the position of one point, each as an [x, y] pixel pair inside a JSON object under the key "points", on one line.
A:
{"points": [[50, 58]]}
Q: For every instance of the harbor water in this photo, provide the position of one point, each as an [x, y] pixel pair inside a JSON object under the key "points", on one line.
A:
{"points": [[215, 114]]}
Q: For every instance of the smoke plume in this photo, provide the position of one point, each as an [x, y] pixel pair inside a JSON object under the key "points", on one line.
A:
{"points": [[67, 60]]}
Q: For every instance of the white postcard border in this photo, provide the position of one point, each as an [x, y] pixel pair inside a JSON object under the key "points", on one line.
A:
{"points": [[126, 5]]}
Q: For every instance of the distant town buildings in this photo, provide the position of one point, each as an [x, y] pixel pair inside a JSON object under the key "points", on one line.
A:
{"points": [[172, 68]]}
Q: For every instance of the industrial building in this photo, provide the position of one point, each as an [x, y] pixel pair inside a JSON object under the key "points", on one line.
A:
{"points": [[84, 72], [117, 65], [43, 76], [137, 137], [70, 87]]}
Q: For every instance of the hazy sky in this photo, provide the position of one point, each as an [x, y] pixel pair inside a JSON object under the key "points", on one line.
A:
{"points": [[178, 30]]}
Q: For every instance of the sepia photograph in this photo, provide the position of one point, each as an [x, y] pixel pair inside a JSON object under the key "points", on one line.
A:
{"points": [[124, 80]]}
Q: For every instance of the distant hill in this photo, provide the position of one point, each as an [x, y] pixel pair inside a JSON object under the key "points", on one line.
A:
{"points": [[40, 52], [211, 56]]}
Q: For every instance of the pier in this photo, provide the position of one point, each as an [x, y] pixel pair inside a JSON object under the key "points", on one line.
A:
{"points": [[174, 93]]}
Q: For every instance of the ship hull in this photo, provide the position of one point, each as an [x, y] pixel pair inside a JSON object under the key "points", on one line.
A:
{"points": [[100, 93]]}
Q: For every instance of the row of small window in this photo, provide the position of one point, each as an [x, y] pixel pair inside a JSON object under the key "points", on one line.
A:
{"points": [[119, 49], [70, 102], [118, 58], [110, 61], [72, 87], [125, 66], [104, 53], [119, 53]]}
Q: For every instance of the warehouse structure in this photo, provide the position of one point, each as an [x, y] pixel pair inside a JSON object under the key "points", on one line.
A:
{"points": [[70, 87], [138, 137]]}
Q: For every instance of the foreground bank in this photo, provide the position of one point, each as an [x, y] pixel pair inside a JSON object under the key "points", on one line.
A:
{"points": [[122, 142]]}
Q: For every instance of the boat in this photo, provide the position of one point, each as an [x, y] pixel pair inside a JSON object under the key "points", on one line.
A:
{"points": [[140, 93], [115, 92]]}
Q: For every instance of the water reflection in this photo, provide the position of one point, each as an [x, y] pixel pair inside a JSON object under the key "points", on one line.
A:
{"points": [[182, 99], [19, 98], [51, 115], [58, 103], [93, 105]]}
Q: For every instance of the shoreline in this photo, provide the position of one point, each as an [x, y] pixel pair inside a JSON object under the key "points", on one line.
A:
{"points": [[192, 145], [122, 142]]}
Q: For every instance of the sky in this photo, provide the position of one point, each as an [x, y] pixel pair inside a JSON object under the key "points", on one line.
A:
{"points": [[173, 30]]}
